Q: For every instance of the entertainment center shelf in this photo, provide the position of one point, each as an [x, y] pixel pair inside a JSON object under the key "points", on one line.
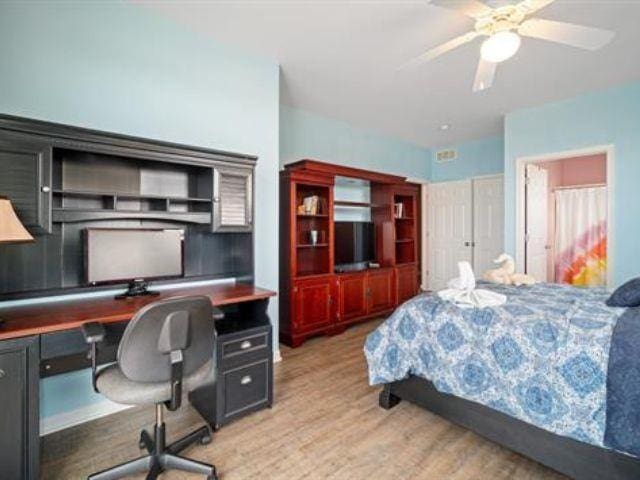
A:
{"points": [[347, 203], [317, 299]]}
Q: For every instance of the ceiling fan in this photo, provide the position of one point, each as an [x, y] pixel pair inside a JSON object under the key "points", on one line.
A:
{"points": [[504, 26]]}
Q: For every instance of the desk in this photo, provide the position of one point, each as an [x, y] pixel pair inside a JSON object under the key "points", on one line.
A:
{"points": [[68, 314], [44, 339]]}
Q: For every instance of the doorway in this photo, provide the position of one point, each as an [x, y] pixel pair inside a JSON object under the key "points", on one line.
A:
{"points": [[564, 236]]}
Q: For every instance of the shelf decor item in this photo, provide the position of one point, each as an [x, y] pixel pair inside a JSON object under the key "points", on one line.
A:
{"points": [[313, 237], [398, 210], [311, 205]]}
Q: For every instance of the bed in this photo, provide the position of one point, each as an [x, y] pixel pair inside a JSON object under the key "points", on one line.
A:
{"points": [[553, 374]]}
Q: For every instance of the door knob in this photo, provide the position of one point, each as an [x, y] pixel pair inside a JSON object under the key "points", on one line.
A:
{"points": [[45, 189]]}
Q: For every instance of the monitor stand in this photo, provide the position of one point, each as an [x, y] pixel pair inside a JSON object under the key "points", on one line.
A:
{"points": [[136, 288]]}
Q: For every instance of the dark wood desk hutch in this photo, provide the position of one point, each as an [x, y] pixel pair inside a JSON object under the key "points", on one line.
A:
{"points": [[63, 180], [314, 299]]}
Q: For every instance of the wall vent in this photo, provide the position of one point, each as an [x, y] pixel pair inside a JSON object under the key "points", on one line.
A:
{"points": [[444, 156]]}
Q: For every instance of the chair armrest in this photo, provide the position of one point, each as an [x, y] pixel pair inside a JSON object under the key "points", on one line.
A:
{"points": [[217, 314], [176, 359], [93, 332]]}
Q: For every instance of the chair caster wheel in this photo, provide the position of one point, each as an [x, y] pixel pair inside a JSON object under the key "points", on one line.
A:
{"points": [[206, 440]]}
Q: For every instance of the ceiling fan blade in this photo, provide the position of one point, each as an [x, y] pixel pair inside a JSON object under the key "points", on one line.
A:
{"points": [[484, 75], [471, 8], [439, 50], [578, 36], [530, 6]]}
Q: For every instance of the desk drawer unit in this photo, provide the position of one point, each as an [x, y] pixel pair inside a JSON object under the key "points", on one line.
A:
{"points": [[245, 373]]}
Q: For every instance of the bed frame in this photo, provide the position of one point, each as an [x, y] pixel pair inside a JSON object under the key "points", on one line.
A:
{"points": [[570, 457]]}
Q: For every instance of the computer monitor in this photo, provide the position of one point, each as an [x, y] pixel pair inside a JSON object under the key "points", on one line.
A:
{"points": [[114, 255]]}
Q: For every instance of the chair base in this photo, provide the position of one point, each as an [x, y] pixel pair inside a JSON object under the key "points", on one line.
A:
{"points": [[162, 457]]}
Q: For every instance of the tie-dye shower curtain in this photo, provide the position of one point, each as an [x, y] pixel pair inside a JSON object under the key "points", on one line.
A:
{"points": [[581, 236]]}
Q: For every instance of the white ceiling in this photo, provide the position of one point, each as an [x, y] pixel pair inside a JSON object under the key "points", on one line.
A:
{"points": [[339, 59]]}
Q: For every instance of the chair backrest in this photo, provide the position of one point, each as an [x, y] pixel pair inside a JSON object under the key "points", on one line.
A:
{"points": [[180, 323]]}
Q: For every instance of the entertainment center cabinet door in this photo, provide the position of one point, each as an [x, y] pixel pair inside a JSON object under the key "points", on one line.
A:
{"points": [[232, 199], [312, 304], [380, 290], [406, 282], [352, 296], [25, 178]]}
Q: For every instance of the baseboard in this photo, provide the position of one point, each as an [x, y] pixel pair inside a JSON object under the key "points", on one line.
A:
{"points": [[63, 420]]}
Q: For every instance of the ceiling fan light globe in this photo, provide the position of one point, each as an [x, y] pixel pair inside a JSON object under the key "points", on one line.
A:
{"points": [[500, 47]]}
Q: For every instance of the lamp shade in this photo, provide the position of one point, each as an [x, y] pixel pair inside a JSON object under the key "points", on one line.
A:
{"points": [[11, 229]]}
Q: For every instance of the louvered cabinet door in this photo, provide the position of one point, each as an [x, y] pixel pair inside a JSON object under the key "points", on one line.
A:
{"points": [[232, 199], [25, 177]]}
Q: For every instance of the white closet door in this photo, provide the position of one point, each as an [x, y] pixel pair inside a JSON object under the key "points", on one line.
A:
{"points": [[488, 222], [450, 230], [537, 196]]}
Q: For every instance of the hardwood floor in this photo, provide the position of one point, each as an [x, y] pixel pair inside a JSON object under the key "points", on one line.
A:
{"points": [[325, 423]]}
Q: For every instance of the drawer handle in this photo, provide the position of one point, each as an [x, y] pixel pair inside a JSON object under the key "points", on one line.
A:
{"points": [[244, 345], [2, 373], [246, 380]]}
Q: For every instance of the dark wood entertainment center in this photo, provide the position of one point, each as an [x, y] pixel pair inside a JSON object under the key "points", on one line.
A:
{"points": [[314, 298]]}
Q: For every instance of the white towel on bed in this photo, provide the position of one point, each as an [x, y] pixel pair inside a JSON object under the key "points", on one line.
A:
{"points": [[463, 292]]}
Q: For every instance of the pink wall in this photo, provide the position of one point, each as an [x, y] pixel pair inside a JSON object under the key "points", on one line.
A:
{"points": [[587, 170]]}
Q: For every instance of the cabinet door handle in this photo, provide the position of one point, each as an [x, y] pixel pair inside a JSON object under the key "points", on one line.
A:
{"points": [[45, 189], [246, 380], [2, 373], [244, 345]]}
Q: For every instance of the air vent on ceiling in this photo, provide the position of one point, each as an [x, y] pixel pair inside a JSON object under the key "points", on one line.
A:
{"points": [[446, 155]]}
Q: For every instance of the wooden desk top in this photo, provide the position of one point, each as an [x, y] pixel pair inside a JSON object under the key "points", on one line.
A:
{"points": [[68, 314]]}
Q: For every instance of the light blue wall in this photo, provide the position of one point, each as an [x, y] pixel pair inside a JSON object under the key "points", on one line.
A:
{"points": [[306, 135], [479, 157], [607, 117], [118, 67]]}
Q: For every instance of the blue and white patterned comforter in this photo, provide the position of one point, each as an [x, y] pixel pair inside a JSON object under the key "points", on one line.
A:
{"points": [[542, 357]]}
